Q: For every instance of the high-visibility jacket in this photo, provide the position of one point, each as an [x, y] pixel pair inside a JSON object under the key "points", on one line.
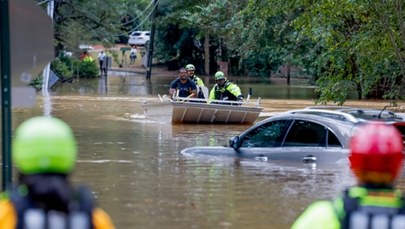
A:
{"points": [[229, 91], [357, 208], [88, 58], [15, 214], [198, 81]]}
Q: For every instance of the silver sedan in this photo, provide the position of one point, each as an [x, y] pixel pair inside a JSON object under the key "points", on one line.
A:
{"points": [[289, 136]]}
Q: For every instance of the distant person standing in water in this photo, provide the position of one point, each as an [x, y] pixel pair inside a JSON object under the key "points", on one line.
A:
{"points": [[101, 62], [132, 55]]}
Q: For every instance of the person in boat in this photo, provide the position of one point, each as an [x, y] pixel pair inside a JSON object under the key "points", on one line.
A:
{"points": [[376, 160], [197, 80], [44, 152], [225, 90], [183, 86]]}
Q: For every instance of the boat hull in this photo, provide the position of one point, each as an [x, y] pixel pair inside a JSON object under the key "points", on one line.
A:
{"points": [[191, 112]]}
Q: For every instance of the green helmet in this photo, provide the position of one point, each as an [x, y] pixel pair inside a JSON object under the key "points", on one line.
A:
{"points": [[44, 145], [219, 75], [190, 67]]}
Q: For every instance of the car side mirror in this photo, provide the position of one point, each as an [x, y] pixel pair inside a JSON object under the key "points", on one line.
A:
{"points": [[234, 142]]}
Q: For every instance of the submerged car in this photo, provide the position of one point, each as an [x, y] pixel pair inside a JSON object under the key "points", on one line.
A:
{"points": [[307, 135]]}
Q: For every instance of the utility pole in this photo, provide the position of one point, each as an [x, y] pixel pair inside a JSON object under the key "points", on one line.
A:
{"points": [[152, 39], [5, 66]]}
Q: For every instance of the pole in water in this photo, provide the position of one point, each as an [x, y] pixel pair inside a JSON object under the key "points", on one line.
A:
{"points": [[250, 91]]}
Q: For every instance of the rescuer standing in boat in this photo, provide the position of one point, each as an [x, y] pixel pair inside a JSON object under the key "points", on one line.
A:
{"points": [[183, 86], [224, 89], [44, 152], [376, 159]]}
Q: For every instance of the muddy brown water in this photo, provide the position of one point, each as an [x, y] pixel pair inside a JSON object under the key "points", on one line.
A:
{"points": [[138, 176]]}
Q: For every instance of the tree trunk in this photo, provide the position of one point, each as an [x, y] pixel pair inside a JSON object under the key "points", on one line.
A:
{"points": [[207, 55], [288, 73]]}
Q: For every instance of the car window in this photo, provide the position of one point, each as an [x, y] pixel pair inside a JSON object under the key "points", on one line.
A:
{"points": [[333, 141], [306, 133], [267, 135]]}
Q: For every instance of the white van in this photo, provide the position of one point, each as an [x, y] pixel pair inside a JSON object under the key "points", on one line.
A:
{"points": [[139, 37]]}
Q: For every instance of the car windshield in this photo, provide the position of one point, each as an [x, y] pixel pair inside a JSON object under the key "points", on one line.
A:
{"points": [[267, 135]]}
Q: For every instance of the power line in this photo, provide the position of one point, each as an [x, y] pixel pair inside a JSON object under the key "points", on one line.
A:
{"points": [[141, 23], [139, 14]]}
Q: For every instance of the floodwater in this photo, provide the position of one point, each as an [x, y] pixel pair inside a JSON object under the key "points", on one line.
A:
{"points": [[138, 176]]}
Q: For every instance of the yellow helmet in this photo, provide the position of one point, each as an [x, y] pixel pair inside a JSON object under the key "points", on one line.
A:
{"points": [[44, 145]]}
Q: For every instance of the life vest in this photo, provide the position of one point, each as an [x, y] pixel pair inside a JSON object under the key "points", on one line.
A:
{"points": [[88, 58], [223, 93], [199, 83], [360, 212], [30, 216]]}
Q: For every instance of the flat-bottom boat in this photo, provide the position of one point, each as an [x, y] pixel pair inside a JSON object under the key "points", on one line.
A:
{"points": [[190, 110]]}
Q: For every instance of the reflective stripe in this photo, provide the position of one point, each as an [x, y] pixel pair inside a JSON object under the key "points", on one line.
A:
{"points": [[38, 219], [79, 220], [362, 220], [34, 219], [380, 221], [56, 220], [398, 222]]}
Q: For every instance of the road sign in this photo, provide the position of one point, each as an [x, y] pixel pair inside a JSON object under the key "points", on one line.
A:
{"points": [[26, 46], [31, 48]]}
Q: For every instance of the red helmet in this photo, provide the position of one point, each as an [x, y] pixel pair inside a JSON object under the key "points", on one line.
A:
{"points": [[376, 153]]}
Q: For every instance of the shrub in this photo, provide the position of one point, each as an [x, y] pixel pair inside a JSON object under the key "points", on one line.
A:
{"points": [[87, 69], [61, 69]]}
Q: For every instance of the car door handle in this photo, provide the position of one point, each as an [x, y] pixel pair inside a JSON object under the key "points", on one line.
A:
{"points": [[309, 159], [261, 158]]}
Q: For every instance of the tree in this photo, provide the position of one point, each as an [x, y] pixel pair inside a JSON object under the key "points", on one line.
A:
{"points": [[97, 21]]}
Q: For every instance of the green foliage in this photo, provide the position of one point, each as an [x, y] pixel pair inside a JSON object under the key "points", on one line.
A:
{"points": [[66, 67], [61, 69], [87, 69], [97, 21], [37, 82], [359, 45], [349, 47]]}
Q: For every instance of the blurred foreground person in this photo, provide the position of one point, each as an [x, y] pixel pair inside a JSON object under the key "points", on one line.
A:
{"points": [[44, 151], [376, 159]]}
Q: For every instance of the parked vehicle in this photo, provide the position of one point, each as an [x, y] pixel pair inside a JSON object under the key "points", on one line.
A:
{"points": [[139, 38], [353, 114], [307, 135]]}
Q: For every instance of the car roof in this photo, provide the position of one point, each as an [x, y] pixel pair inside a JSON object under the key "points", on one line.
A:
{"points": [[139, 32], [356, 115], [352, 114]]}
